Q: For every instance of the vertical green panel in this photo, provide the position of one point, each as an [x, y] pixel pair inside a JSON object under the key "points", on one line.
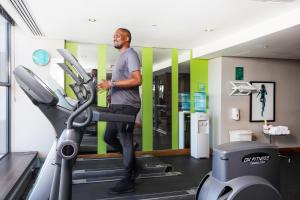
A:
{"points": [[147, 99], [198, 74], [101, 96], [72, 47], [175, 136]]}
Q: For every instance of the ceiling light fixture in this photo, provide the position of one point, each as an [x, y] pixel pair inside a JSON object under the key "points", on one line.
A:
{"points": [[92, 20]]}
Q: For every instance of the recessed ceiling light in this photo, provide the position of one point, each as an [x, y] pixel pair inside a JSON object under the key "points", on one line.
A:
{"points": [[154, 25], [208, 30], [92, 20]]}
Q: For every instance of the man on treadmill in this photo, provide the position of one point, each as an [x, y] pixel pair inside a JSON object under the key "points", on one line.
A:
{"points": [[125, 99]]}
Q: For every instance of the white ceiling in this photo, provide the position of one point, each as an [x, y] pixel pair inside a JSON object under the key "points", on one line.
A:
{"points": [[178, 24], [284, 44]]}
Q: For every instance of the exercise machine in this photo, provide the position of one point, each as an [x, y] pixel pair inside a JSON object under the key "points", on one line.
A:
{"points": [[242, 171], [69, 120]]}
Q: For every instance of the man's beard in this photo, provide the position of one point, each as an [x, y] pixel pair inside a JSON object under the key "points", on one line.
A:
{"points": [[117, 46]]}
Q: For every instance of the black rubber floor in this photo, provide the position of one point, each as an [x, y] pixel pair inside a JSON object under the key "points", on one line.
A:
{"points": [[290, 178]]}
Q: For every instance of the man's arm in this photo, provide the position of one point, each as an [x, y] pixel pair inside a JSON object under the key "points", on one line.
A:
{"points": [[134, 81]]}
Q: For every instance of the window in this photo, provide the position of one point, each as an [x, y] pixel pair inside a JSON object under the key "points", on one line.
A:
{"points": [[3, 120], [5, 26]]}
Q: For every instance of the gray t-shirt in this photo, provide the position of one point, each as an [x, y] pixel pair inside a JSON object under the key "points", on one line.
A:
{"points": [[128, 62]]}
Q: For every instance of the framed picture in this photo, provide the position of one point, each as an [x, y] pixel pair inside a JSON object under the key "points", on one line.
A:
{"points": [[262, 102]]}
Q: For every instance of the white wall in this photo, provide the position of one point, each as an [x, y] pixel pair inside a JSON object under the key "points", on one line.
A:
{"points": [[286, 75], [214, 94], [31, 131]]}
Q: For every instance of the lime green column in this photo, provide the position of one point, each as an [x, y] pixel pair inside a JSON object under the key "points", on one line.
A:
{"points": [[198, 74], [101, 96], [175, 136], [72, 47], [147, 99]]}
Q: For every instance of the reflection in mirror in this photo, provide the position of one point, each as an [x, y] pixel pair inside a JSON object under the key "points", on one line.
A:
{"points": [[184, 102], [87, 55], [162, 99]]}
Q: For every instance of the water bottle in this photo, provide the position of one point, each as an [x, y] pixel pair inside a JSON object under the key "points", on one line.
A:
{"points": [[184, 101], [200, 99]]}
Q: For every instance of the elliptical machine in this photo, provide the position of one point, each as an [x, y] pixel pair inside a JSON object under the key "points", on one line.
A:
{"points": [[242, 171]]}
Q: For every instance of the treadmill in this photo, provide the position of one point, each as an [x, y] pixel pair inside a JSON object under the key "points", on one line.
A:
{"points": [[96, 170], [57, 109]]}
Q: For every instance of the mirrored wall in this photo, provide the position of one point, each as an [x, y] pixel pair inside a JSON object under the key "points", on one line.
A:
{"points": [[184, 104], [102, 58], [167, 68], [162, 99], [165, 63]]}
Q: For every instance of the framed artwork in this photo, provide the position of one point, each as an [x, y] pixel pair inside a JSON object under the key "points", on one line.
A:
{"points": [[262, 102]]}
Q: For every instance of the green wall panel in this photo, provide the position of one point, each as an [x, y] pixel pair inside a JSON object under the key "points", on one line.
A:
{"points": [[147, 99], [175, 136], [198, 74], [101, 96]]}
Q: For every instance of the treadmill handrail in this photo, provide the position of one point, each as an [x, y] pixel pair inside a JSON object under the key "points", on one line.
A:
{"points": [[84, 106], [73, 61], [87, 121], [102, 115]]}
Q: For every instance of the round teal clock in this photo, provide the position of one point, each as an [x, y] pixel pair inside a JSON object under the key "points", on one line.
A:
{"points": [[41, 57]]}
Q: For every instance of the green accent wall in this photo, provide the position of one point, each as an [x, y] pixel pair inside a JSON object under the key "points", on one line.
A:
{"points": [[174, 70], [101, 96], [72, 47], [147, 99], [198, 74]]}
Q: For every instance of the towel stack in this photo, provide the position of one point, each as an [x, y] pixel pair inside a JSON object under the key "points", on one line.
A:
{"points": [[276, 130]]}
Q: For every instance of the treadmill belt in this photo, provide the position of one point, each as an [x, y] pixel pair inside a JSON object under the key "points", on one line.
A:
{"points": [[95, 173], [116, 163], [119, 177]]}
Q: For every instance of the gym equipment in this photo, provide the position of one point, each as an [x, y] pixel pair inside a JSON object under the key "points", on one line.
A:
{"points": [[78, 115], [242, 171]]}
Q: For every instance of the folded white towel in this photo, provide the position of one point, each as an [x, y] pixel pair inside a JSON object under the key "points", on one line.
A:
{"points": [[278, 131], [283, 128], [286, 132]]}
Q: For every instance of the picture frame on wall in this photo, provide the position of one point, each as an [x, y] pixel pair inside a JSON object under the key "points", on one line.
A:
{"points": [[262, 102]]}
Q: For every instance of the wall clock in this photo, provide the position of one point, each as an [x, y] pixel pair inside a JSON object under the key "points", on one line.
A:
{"points": [[41, 57]]}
